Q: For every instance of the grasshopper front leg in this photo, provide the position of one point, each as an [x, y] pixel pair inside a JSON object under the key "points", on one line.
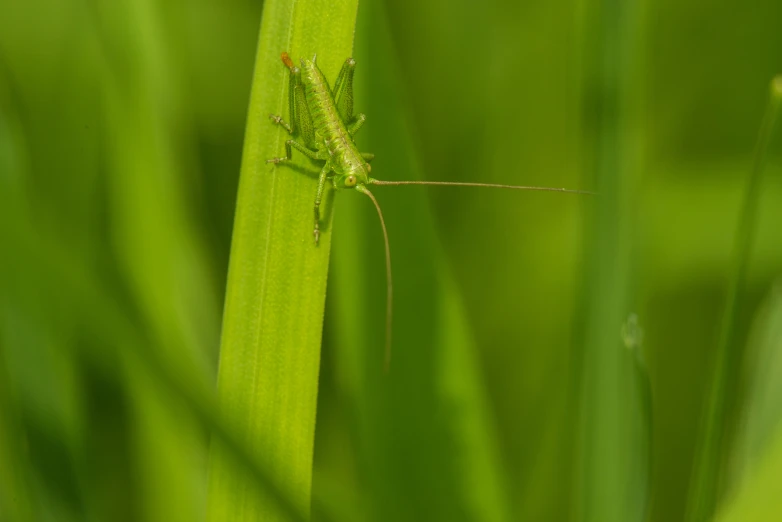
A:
{"points": [[318, 196]]}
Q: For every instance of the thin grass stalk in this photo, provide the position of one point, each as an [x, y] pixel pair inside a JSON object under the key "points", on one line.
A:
{"points": [[705, 483], [275, 296], [614, 446]]}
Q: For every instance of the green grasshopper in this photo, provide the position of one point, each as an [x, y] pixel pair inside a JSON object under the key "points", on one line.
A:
{"points": [[323, 121]]}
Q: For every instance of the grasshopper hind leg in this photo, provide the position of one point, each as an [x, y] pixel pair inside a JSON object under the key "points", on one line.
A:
{"points": [[300, 125], [343, 90], [301, 122], [356, 123]]}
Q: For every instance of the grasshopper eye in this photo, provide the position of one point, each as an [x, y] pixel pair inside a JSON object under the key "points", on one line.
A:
{"points": [[350, 181]]}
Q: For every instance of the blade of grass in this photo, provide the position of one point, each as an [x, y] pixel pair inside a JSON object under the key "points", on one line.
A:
{"points": [[762, 413], [43, 266], [425, 443], [707, 473], [20, 498], [756, 493], [15, 492], [16, 496], [614, 399], [157, 246], [273, 317], [760, 497]]}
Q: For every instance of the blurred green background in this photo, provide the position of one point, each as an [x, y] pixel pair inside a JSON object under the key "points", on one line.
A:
{"points": [[511, 395]]}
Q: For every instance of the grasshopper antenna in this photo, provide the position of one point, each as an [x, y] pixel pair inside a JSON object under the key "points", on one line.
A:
{"points": [[490, 185], [389, 282]]}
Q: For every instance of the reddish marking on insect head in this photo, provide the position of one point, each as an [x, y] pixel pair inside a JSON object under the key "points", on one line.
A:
{"points": [[287, 60]]}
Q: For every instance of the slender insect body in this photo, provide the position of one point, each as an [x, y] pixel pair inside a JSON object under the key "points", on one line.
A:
{"points": [[344, 157], [322, 118]]}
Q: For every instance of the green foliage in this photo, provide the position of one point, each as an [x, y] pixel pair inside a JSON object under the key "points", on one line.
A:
{"points": [[272, 323], [614, 441], [554, 355], [449, 469], [754, 485], [708, 471]]}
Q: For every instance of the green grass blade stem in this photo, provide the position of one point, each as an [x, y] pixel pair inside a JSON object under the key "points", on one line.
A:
{"points": [[614, 391], [46, 266], [756, 470], [705, 484], [273, 317], [426, 445]]}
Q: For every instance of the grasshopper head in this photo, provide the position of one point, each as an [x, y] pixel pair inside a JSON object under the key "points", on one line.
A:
{"points": [[359, 175]]}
